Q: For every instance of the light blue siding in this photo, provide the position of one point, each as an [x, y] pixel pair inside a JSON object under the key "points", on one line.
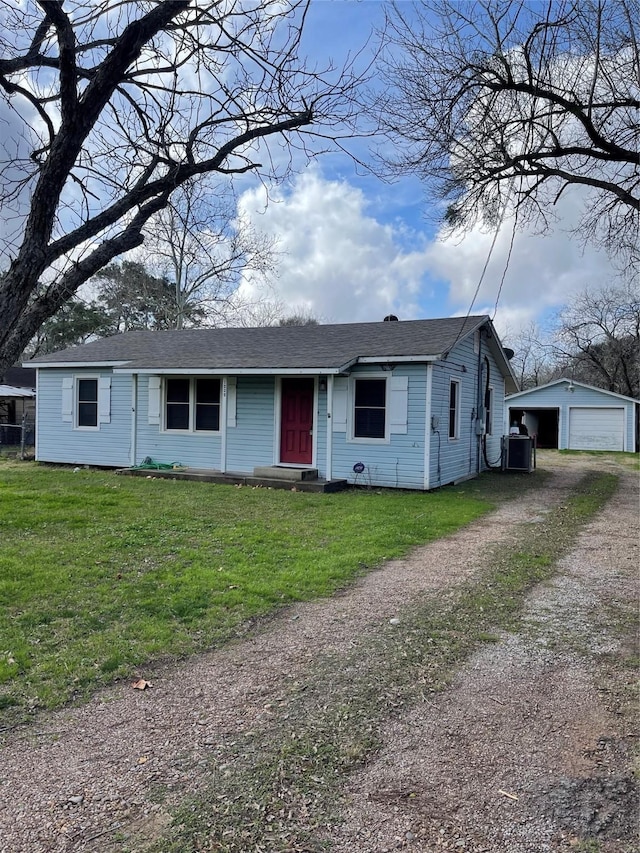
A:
{"points": [[251, 442], [493, 442], [193, 450], [454, 459], [400, 463], [59, 441], [420, 439]]}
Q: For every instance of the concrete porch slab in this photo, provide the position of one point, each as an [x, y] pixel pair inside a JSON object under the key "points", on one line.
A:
{"points": [[276, 472], [206, 475]]}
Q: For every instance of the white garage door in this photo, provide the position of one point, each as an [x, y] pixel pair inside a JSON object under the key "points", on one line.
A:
{"points": [[596, 429]]}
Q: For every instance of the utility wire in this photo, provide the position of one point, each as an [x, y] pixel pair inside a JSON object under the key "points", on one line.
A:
{"points": [[484, 271], [506, 265]]}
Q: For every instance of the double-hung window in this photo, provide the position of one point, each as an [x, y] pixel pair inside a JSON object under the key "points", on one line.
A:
{"points": [[370, 408], [178, 415], [87, 403], [193, 404], [207, 404], [454, 409]]}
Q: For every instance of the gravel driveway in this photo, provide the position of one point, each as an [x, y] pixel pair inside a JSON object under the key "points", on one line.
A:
{"points": [[528, 750]]}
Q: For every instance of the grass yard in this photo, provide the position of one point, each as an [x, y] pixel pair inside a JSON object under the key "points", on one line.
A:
{"points": [[101, 574]]}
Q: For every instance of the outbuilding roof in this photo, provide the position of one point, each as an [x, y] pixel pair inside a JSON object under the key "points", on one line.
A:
{"points": [[12, 391], [329, 348], [571, 384]]}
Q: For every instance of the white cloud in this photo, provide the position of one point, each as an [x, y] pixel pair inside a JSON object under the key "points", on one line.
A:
{"points": [[340, 263], [337, 262], [543, 272]]}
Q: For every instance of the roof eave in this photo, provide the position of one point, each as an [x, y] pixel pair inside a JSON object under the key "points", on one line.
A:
{"points": [[397, 359], [73, 364], [235, 371], [511, 383]]}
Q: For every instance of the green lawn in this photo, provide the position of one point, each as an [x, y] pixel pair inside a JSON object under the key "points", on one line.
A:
{"points": [[101, 574]]}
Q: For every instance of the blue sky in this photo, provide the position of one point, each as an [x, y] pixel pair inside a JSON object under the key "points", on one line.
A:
{"points": [[354, 248]]}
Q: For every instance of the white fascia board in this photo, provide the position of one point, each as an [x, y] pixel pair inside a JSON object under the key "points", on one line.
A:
{"points": [[396, 359], [232, 371], [74, 365]]}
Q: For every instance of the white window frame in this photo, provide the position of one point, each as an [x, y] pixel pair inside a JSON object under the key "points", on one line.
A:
{"points": [[191, 430], [352, 409], [456, 435], [76, 403]]}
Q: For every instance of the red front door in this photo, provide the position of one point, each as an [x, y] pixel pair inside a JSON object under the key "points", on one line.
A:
{"points": [[296, 441]]}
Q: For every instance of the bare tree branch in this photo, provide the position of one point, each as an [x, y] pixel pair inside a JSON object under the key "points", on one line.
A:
{"points": [[509, 104], [135, 100], [597, 339]]}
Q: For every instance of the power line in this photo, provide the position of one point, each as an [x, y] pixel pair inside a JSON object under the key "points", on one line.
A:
{"points": [[484, 271], [506, 265]]}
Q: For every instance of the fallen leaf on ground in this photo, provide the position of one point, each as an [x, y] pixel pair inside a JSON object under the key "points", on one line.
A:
{"points": [[141, 684]]}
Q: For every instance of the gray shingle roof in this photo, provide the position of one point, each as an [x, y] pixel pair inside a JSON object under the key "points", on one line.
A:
{"points": [[327, 347]]}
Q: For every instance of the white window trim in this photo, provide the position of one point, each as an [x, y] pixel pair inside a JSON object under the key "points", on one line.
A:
{"points": [[351, 408], [192, 407], [76, 402], [456, 436]]}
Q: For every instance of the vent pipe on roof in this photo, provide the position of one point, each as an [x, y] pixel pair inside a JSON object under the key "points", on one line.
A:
{"points": [[390, 317]]}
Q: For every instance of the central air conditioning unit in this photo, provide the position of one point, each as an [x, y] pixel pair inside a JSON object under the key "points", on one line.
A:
{"points": [[518, 453]]}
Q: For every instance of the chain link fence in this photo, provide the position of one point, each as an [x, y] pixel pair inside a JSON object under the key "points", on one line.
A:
{"points": [[18, 439]]}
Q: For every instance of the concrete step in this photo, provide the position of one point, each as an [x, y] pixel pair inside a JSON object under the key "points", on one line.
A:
{"points": [[291, 475]]}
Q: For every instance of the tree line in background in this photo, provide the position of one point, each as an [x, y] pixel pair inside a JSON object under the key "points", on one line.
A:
{"points": [[128, 296], [595, 339]]}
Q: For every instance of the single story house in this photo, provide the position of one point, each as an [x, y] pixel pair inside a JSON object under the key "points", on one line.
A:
{"points": [[408, 404], [569, 415]]}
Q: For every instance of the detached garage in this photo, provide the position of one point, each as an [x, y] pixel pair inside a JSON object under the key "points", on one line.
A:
{"points": [[568, 415]]}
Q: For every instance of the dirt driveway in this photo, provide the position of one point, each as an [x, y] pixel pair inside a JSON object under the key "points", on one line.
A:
{"points": [[529, 750], [532, 747]]}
